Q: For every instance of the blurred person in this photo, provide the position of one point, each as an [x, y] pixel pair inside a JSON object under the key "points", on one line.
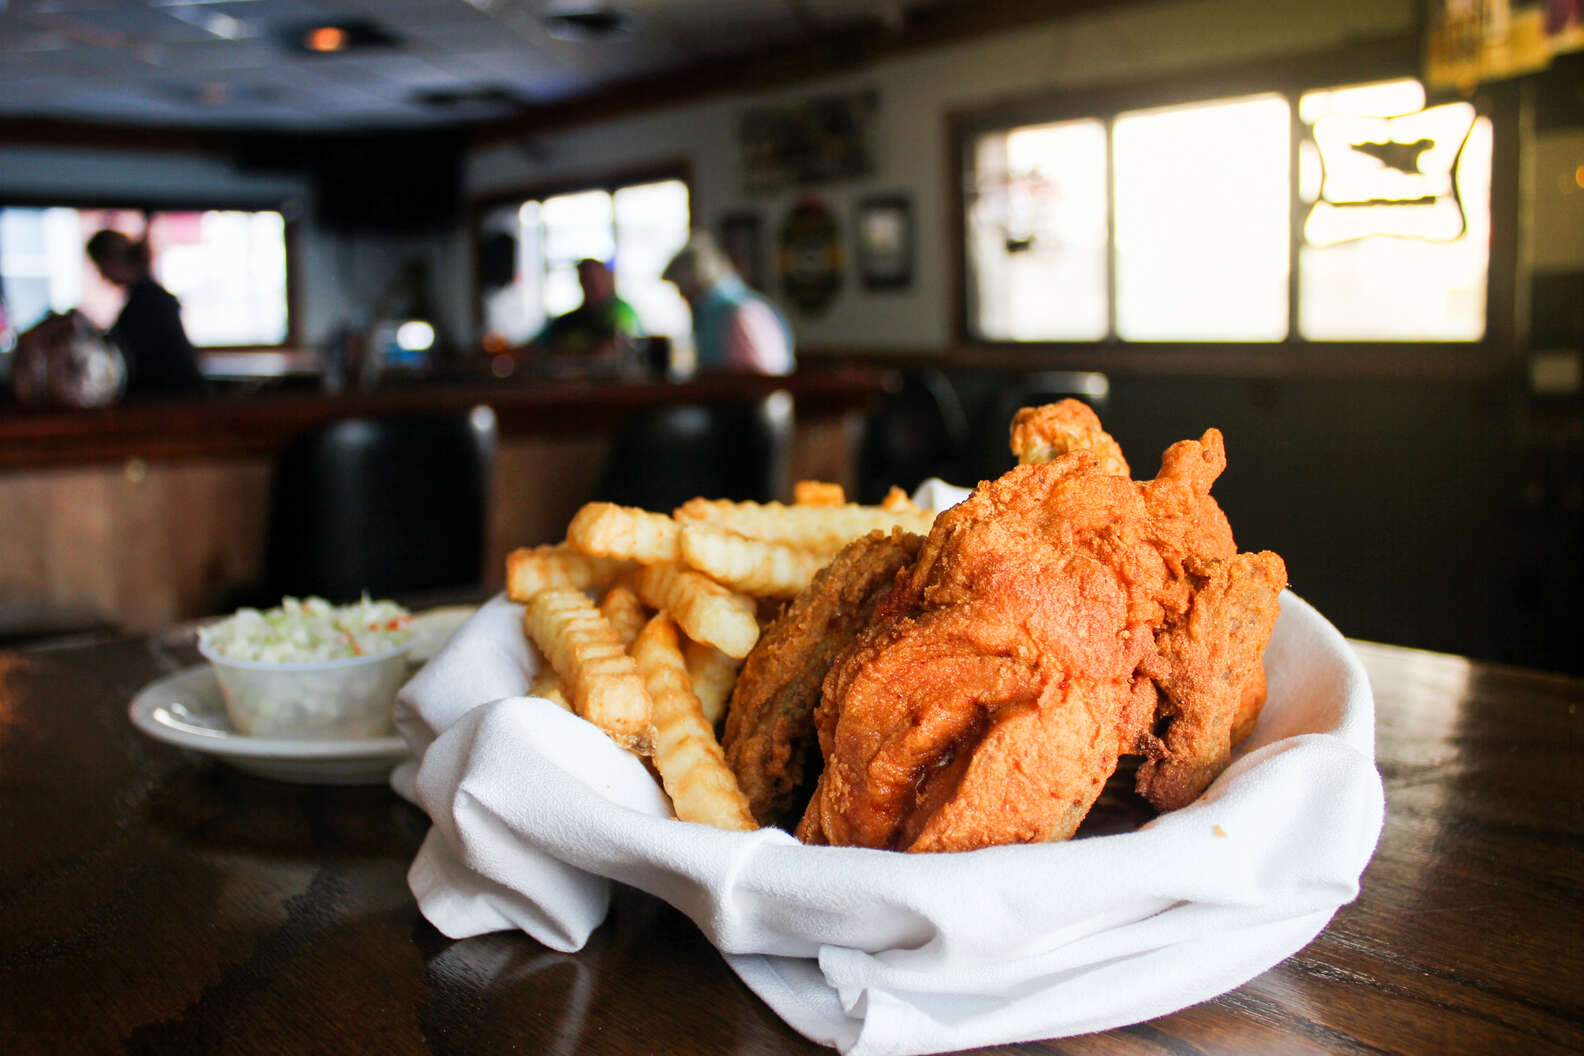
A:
{"points": [[603, 328], [159, 357], [734, 328]]}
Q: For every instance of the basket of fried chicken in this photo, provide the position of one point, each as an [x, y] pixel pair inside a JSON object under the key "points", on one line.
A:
{"points": [[955, 769]]}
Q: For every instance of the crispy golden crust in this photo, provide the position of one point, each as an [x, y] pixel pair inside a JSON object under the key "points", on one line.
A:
{"points": [[986, 704], [1043, 434], [1050, 623], [770, 725], [1210, 676]]}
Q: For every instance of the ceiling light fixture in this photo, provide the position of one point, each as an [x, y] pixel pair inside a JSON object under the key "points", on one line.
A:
{"points": [[325, 39], [334, 38]]}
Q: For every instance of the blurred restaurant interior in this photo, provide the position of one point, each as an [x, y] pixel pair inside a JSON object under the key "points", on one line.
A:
{"points": [[1350, 235]]}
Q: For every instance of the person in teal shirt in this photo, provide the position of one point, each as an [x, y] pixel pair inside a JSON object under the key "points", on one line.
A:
{"points": [[734, 328], [602, 329]]}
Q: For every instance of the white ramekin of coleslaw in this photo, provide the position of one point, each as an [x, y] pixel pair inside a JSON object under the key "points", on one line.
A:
{"points": [[310, 670]]}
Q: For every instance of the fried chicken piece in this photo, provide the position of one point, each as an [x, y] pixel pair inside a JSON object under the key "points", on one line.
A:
{"points": [[1209, 670], [1220, 611], [993, 696], [769, 735], [1051, 622], [1044, 433]]}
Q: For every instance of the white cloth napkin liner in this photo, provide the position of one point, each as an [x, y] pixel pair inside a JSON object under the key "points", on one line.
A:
{"points": [[536, 812]]}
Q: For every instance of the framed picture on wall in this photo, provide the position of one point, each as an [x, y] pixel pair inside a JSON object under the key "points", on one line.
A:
{"points": [[884, 233], [808, 142], [741, 239]]}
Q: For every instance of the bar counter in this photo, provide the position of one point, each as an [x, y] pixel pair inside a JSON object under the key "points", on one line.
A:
{"points": [[148, 513], [222, 426], [158, 901]]}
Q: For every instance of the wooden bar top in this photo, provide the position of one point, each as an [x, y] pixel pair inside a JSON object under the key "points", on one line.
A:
{"points": [[158, 901], [260, 423]]}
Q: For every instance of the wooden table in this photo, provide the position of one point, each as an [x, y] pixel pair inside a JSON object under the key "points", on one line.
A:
{"points": [[155, 901]]}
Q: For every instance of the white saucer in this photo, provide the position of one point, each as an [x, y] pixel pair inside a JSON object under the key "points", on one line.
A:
{"points": [[432, 628], [185, 709]]}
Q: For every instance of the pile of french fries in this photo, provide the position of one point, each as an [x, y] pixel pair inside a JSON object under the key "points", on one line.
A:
{"points": [[644, 619]]}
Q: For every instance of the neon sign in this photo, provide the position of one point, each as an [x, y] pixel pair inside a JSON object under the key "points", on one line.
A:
{"points": [[1390, 176]]}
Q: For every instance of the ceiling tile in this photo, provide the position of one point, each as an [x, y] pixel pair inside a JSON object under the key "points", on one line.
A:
{"points": [[139, 60], [215, 56]]}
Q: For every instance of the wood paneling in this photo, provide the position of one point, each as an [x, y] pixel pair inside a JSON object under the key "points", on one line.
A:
{"points": [[537, 486], [140, 544], [144, 516]]}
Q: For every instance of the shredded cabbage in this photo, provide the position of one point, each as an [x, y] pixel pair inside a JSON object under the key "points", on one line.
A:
{"points": [[308, 631]]}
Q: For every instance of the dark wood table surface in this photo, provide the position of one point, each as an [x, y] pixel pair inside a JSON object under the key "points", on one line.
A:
{"points": [[153, 900]]}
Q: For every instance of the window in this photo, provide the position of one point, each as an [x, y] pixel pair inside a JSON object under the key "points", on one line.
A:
{"points": [[1349, 213], [1202, 218], [226, 267], [635, 227]]}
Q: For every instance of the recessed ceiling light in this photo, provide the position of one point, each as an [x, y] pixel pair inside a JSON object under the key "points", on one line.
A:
{"points": [[585, 21], [332, 38], [325, 38]]}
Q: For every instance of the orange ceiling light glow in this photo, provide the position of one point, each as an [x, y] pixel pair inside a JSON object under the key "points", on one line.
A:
{"points": [[325, 38]]}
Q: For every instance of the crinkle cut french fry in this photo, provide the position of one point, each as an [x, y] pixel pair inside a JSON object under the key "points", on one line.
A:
{"points": [[896, 501], [548, 684], [532, 569], [609, 530], [707, 611], [601, 679], [692, 767], [818, 493], [751, 566], [825, 529], [626, 614], [713, 675]]}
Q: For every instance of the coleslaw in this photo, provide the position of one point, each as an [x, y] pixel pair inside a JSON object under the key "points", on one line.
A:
{"points": [[309, 630]]}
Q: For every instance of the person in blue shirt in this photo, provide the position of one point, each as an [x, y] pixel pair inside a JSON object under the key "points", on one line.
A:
{"points": [[734, 328]]}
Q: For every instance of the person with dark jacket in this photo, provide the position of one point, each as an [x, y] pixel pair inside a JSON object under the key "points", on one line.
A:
{"points": [[159, 357]]}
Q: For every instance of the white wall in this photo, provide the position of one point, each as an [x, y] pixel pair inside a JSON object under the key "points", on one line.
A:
{"points": [[916, 93]]}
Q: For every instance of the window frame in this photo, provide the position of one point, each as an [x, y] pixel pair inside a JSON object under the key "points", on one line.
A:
{"points": [[1291, 76], [199, 204], [480, 203]]}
